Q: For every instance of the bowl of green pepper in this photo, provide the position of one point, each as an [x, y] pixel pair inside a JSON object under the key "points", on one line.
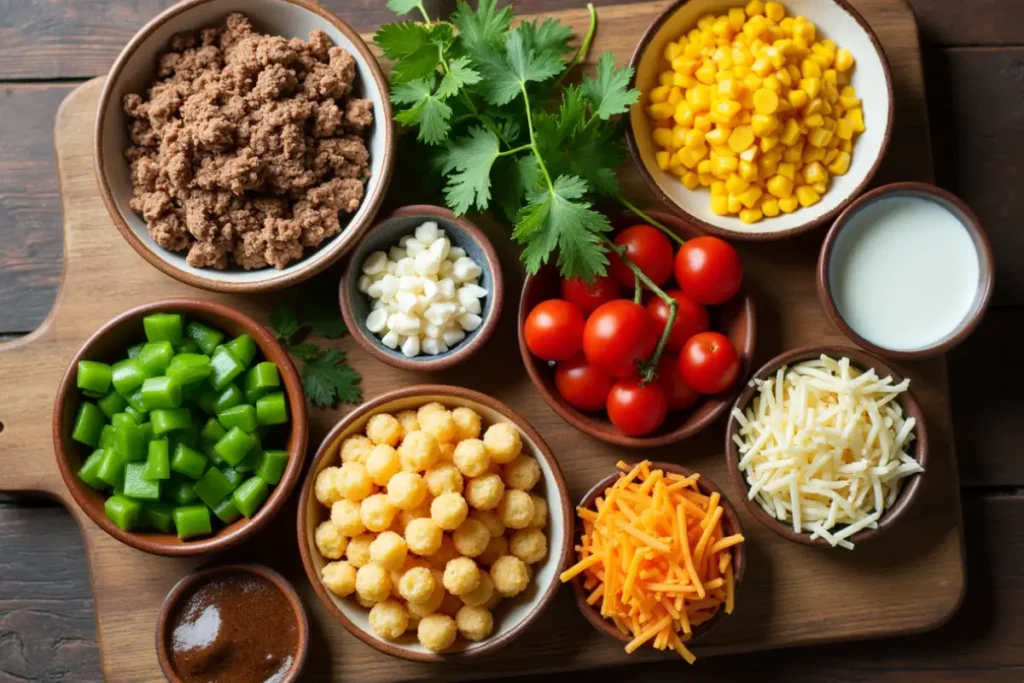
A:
{"points": [[180, 427]]}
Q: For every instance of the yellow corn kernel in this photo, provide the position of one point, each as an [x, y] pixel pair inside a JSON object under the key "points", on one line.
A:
{"points": [[754, 27], [811, 86], [706, 22], [729, 88], [794, 152], [802, 28], [706, 73], [752, 81], [788, 204], [718, 136], [660, 111], [666, 78], [762, 66], [829, 92], [767, 166], [683, 114], [701, 100], [750, 196], [749, 154], [659, 94], [820, 188], [682, 64], [704, 166], [812, 154], [703, 122], [826, 110], [671, 51], [846, 146], [848, 98], [856, 117], [679, 134], [691, 181], [770, 207], [747, 170], [736, 185], [755, 8], [841, 164], [694, 138], [814, 121], [684, 81], [829, 125], [815, 173], [787, 169], [724, 166], [819, 137], [831, 154], [718, 189], [810, 69], [736, 18], [750, 215], [784, 78], [675, 96], [844, 129], [797, 98], [830, 77], [662, 158], [723, 111], [780, 186], [764, 124], [662, 137], [741, 138], [720, 205], [769, 142], [807, 196], [786, 26], [733, 204], [766, 101], [844, 60], [790, 132], [813, 107], [772, 85], [774, 11]]}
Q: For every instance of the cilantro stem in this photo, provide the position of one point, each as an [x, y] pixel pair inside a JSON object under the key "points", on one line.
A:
{"points": [[533, 138], [515, 150], [423, 11], [584, 49], [671, 235], [638, 290]]}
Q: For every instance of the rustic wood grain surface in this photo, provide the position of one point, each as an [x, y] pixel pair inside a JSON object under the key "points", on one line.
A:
{"points": [[974, 65]]}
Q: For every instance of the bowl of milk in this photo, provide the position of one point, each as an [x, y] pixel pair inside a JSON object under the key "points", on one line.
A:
{"points": [[906, 271]]}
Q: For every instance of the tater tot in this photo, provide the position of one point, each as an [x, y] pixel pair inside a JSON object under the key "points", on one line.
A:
{"points": [[432, 603], [490, 519], [471, 538], [388, 619], [510, 575], [529, 545], [326, 486], [418, 452], [388, 550], [540, 511], [467, 423], [355, 449], [515, 509], [523, 473], [377, 512], [445, 554], [345, 516], [484, 493], [373, 583], [436, 632], [423, 536], [443, 477], [339, 578], [354, 481], [497, 547], [406, 490], [383, 428], [407, 419], [482, 593], [358, 550], [474, 623], [503, 442], [447, 451], [440, 425], [471, 457], [428, 408], [416, 584], [329, 541], [461, 575], [449, 510], [382, 464]]}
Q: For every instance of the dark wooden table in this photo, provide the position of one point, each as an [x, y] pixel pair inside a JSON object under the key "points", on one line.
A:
{"points": [[974, 67]]}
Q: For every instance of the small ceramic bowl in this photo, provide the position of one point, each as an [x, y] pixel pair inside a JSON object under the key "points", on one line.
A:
{"points": [[108, 344], [514, 615], [909, 489], [730, 525], [986, 267], [355, 305], [836, 20], [735, 319], [134, 70], [188, 585]]}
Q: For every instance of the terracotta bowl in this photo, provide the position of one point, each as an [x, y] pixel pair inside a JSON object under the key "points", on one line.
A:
{"points": [[735, 319], [836, 20], [514, 615], [134, 70], [188, 585], [986, 267], [355, 305], [108, 344], [911, 486], [730, 525]]}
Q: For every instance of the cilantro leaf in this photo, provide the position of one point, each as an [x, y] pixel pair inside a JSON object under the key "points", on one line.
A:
{"points": [[284, 321], [609, 92], [552, 36], [429, 111], [520, 177], [328, 378], [404, 6], [303, 351], [416, 49], [459, 75], [505, 75], [467, 162], [481, 30], [400, 39]]}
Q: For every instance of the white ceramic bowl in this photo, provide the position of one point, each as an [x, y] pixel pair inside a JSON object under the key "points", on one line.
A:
{"points": [[134, 70], [836, 20], [513, 615]]}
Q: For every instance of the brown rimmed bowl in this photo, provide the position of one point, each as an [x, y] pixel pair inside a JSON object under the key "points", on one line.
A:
{"points": [[108, 344], [986, 267], [909, 489], [194, 581], [730, 525], [355, 305], [514, 615], [836, 20], [735, 319], [134, 70]]}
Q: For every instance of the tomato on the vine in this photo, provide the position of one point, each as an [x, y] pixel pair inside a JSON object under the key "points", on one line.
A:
{"points": [[679, 394], [709, 270], [588, 296], [709, 363], [581, 384], [648, 249], [618, 336], [691, 318], [554, 330], [637, 409]]}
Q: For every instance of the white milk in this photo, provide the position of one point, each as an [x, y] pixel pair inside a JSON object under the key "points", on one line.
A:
{"points": [[904, 272]]}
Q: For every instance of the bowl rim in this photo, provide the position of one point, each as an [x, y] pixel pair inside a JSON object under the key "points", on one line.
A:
{"points": [[540, 603], [463, 351], [206, 574], [296, 454], [909, 489], [707, 486], [534, 367], [986, 265], [767, 236], [276, 280]]}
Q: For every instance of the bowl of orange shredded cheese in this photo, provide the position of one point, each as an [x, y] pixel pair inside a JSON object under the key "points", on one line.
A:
{"points": [[660, 556]]}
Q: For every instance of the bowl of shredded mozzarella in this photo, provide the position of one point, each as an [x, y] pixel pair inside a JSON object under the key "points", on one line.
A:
{"points": [[827, 446]]}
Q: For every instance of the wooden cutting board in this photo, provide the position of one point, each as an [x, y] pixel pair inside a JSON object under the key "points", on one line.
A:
{"points": [[909, 581]]}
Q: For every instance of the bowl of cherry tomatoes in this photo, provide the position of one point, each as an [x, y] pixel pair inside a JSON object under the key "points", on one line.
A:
{"points": [[603, 355]]}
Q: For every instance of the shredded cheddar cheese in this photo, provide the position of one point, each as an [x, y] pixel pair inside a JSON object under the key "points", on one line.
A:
{"points": [[654, 557]]}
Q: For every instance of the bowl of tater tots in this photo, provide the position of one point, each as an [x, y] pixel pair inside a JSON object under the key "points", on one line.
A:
{"points": [[434, 522]]}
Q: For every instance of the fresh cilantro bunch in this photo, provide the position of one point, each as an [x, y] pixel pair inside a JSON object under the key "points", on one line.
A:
{"points": [[488, 103]]}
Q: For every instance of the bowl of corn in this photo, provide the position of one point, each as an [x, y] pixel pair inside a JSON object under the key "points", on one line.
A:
{"points": [[760, 121]]}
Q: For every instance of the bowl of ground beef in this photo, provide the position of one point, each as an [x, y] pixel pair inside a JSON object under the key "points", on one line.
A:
{"points": [[244, 145]]}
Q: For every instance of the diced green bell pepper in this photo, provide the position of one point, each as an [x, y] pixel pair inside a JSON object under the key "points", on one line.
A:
{"points": [[161, 392], [229, 397], [212, 432], [189, 368], [243, 348], [124, 512], [232, 475], [127, 375], [212, 487], [192, 520], [158, 460], [205, 397], [123, 419], [164, 327], [159, 516], [251, 461], [155, 357], [112, 403], [226, 511], [207, 338], [88, 424], [94, 377], [89, 471], [260, 380], [235, 445], [180, 491], [224, 367], [272, 466], [136, 415], [137, 487], [130, 442], [188, 346], [250, 496], [188, 461], [242, 416], [272, 409], [135, 349], [111, 468], [134, 399], [170, 419], [106, 436]]}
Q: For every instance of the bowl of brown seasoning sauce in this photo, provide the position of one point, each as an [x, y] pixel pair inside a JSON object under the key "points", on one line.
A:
{"points": [[236, 623]]}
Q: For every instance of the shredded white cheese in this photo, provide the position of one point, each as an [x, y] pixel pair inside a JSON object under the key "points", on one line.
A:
{"points": [[824, 446]]}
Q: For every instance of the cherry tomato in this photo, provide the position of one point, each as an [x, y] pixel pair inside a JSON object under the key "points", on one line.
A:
{"points": [[618, 335], [554, 330], [709, 270], [679, 394], [709, 363], [637, 409], [588, 296], [649, 249], [581, 384], [691, 318]]}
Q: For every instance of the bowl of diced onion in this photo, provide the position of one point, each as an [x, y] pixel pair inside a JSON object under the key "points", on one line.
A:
{"points": [[423, 290], [827, 446]]}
